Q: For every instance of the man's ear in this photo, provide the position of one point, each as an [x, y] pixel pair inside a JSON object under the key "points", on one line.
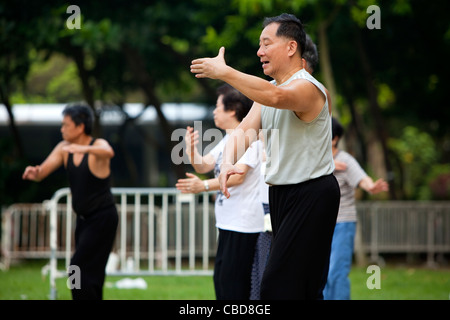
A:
{"points": [[292, 48]]}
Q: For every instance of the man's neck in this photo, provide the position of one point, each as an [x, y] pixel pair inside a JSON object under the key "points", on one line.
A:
{"points": [[286, 75]]}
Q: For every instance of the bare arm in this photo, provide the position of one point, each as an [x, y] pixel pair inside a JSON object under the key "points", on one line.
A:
{"points": [[100, 153], [237, 144], [339, 165], [100, 149], [193, 184], [295, 96], [54, 160], [373, 187], [243, 136], [201, 164]]}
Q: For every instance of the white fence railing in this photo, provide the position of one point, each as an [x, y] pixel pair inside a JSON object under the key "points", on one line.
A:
{"points": [[151, 231], [164, 232], [404, 227], [25, 232]]}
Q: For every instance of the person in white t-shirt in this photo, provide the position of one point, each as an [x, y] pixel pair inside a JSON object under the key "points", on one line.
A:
{"points": [[240, 218]]}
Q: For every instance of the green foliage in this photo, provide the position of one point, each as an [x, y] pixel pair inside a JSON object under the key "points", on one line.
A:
{"points": [[234, 25], [12, 188], [95, 36], [41, 61], [437, 185], [415, 147], [386, 97], [52, 80], [358, 12], [417, 152]]}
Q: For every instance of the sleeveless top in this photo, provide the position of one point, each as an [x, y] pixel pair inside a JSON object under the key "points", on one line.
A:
{"points": [[89, 193], [296, 150]]}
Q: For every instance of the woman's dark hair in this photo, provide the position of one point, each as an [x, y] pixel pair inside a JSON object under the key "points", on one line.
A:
{"points": [[290, 27], [235, 101], [336, 128], [310, 53], [80, 114]]}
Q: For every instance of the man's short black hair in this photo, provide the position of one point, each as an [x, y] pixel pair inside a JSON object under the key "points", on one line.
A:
{"points": [[290, 27], [80, 114]]}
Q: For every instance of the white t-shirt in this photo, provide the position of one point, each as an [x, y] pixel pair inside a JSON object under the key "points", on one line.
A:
{"points": [[242, 212]]}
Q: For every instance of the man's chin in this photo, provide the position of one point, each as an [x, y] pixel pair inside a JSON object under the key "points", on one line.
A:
{"points": [[267, 72]]}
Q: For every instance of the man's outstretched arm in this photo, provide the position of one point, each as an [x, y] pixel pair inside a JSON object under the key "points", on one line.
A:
{"points": [[295, 96], [239, 141]]}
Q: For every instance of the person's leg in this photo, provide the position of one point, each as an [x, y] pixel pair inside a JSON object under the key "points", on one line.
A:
{"points": [[236, 265], [303, 219], [218, 264], [96, 235], [338, 283], [259, 263]]}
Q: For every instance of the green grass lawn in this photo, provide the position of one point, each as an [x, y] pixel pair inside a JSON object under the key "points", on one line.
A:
{"points": [[402, 283], [24, 282]]}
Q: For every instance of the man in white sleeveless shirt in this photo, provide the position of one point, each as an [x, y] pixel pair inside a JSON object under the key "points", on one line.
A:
{"points": [[304, 195]]}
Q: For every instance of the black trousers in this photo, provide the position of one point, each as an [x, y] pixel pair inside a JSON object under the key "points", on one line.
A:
{"points": [[94, 238], [233, 265], [303, 219]]}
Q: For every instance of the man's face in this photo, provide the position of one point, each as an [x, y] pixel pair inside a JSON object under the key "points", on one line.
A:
{"points": [[69, 130], [273, 50]]}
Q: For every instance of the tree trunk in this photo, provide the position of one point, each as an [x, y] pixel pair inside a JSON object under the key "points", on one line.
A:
{"points": [[325, 65], [375, 108], [18, 146], [357, 124], [327, 69], [144, 80], [88, 92]]}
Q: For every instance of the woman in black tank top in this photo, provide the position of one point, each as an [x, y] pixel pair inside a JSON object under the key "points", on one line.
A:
{"points": [[92, 200], [89, 193], [97, 221]]}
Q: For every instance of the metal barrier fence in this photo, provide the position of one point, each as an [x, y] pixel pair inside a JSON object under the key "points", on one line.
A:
{"points": [[150, 230], [25, 232], [164, 232], [404, 227]]}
